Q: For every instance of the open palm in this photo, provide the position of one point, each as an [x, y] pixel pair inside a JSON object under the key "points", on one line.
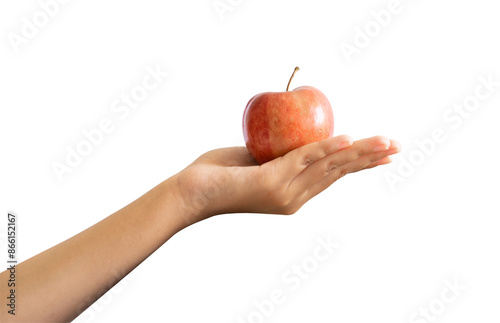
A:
{"points": [[229, 180]]}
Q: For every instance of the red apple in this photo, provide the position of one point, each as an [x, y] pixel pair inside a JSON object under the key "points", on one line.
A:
{"points": [[275, 123]]}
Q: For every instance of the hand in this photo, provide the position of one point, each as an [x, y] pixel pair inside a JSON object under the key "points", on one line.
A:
{"points": [[221, 181], [229, 180]]}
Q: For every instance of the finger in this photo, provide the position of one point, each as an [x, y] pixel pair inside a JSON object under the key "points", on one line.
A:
{"points": [[360, 148], [230, 156], [240, 156], [383, 161], [331, 173], [363, 162], [313, 173], [393, 149], [324, 172], [370, 159], [297, 160]]}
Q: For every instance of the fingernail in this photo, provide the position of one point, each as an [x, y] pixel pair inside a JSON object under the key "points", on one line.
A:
{"points": [[394, 151], [380, 148], [396, 146], [345, 144]]}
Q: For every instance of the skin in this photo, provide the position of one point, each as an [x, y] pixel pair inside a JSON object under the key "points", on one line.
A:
{"points": [[59, 283]]}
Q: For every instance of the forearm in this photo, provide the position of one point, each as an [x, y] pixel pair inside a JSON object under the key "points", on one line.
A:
{"points": [[59, 283]]}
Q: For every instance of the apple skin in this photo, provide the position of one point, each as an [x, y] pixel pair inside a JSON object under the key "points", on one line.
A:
{"points": [[275, 123]]}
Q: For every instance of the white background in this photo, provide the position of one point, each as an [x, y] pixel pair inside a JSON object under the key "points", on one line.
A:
{"points": [[398, 247]]}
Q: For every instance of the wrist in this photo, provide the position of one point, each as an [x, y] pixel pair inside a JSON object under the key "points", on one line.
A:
{"points": [[186, 207]]}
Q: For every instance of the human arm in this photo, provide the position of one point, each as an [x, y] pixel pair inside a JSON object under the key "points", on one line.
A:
{"points": [[59, 283]]}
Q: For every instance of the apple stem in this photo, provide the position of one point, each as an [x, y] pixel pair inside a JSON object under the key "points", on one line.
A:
{"points": [[291, 77]]}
